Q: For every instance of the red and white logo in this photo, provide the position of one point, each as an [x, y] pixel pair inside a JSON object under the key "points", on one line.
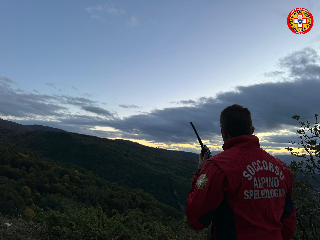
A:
{"points": [[300, 21]]}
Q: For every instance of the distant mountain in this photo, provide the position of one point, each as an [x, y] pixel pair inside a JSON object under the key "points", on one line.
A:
{"points": [[288, 158], [173, 153], [23, 128]]}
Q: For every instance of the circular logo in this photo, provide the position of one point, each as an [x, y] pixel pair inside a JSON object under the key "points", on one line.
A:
{"points": [[202, 181], [300, 21]]}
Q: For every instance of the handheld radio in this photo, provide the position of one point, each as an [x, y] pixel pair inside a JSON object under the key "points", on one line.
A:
{"points": [[204, 148]]}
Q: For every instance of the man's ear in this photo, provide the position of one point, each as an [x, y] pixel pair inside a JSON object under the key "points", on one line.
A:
{"points": [[253, 130], [223, 132]]}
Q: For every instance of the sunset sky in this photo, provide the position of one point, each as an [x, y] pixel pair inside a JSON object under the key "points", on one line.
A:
{"points": [[143, 70]]}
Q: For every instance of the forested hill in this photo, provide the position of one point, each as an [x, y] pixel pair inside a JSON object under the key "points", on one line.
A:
{"points": [[27, 178], [72, 202], [163, 173]]}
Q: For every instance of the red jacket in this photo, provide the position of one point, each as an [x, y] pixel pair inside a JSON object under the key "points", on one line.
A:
{"points": [[244, 193]]}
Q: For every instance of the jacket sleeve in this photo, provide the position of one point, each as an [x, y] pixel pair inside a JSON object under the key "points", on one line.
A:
{"points": [[205, 195], [288, 218]]}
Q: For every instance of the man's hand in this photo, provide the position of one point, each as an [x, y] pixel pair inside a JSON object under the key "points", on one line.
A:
{"points": [[202, 160]]}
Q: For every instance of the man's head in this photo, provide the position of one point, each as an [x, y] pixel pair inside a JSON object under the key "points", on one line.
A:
{"points": [[235, 121]]}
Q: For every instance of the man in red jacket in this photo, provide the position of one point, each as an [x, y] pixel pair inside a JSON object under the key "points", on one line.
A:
{"points": [[243, 192]]}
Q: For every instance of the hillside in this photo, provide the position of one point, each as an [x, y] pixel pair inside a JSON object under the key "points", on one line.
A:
{"points": [[69, 181], [163, 173], [156, 171], [66, 198]]}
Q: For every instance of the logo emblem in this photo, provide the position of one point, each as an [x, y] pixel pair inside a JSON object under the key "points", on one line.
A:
{"points": [[202, 181], [300, 21]]}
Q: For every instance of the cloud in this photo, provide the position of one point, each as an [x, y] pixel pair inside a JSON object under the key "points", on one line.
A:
{"points": [[134, 21], [91, 9], [273, 74], [25, 105], [185, 102], [272, 105], [75, 88], [19, 90], [18, 103], [6, 80], [128, 106], [76, 101], [302, 64], [88, 95], [108, 8], [97, 110], [95, 16], [51, 84]]}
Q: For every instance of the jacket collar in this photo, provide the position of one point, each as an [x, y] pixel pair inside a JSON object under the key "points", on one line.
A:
{"points": [[244, 141]]}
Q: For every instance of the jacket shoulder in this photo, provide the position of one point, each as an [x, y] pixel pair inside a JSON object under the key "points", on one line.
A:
{"points": [[224, 157]]}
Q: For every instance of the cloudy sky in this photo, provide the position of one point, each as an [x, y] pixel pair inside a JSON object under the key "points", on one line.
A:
{"points": [[142, 70]]}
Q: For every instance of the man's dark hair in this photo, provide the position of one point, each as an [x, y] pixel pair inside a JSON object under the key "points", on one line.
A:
{"points": [[236, 120]]}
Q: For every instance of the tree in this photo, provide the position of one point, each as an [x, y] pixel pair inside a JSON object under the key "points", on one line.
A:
{"points": [[306, 185]]}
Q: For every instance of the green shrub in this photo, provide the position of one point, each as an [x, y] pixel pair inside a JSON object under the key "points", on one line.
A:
{"points": [[306, 196], [92, 223]]}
